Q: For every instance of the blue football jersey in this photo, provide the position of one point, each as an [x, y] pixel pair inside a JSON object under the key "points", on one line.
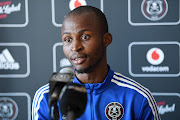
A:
{"points": [[117, 98]]}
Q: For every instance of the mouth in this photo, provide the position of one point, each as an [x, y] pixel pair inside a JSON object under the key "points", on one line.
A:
{"points": [[78, 58]]}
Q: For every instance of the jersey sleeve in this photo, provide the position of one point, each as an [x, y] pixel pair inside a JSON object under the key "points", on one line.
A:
{"points": [[147, 112], [40, 104]]}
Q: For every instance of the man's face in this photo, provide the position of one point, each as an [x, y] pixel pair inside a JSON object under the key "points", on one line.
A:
{"points": [[83, 42]]}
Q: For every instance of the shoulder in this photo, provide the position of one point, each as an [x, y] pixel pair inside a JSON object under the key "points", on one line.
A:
{"points": [[41, 97], [41, 92], [128, 83]]}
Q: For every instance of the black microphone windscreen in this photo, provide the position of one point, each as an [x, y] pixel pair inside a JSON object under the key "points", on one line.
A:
{"points": [[56, 83], [73, 97], [60, 79]]}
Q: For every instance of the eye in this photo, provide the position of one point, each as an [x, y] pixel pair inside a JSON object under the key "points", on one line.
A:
{"points": [[85, 37], [67, 39]]}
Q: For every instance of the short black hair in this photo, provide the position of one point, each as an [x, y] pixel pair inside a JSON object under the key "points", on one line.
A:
{"points": [[90, 9]]}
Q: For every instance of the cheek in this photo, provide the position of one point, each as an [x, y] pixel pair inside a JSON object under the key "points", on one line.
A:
{"points": [[65, 50], [95, 47], [96, 50]]}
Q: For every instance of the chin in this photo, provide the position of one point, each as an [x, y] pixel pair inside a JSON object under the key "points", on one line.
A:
{"points": [[83, 70]]}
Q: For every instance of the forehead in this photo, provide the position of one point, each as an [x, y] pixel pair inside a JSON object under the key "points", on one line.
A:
{"points": [[82, 21]]}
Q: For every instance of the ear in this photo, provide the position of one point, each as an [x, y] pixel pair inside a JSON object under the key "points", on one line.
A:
{"points": [[107, 39]]}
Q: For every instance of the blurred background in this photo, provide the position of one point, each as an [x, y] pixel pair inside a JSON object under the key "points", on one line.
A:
{"points": [[145, 47]]}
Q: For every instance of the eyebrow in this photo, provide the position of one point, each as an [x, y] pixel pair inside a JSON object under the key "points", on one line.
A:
{"points": [[78, 31], [66, 33], [83, 30]]}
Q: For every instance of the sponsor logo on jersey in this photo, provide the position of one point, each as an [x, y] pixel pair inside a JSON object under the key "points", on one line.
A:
{"points": [[154, 10], [155, 56], [76, 3], [8, 109], [114, 111], [7, 61], [165, 108]]}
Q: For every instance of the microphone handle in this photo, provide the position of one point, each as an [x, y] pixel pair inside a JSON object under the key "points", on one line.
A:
{"points": [[55, 113], [70, 115]]}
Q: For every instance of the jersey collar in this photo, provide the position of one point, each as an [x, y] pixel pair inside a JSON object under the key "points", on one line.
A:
{"points": [[97, 87]]}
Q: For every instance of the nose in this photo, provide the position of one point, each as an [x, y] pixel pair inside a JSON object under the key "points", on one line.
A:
{"points": [[76, 45]]}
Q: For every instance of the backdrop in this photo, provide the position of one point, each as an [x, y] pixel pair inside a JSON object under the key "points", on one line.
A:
{"points": [[145, 47]]}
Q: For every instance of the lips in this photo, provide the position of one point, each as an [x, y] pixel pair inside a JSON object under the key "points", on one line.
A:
{"points": [[78, 58]]}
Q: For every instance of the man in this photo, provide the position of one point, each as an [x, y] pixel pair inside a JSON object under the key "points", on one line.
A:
{"points": [[111, 96]]}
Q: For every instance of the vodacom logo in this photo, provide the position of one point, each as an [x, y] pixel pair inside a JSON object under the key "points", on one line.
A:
{"points": [[76, 3], [155, 56]]}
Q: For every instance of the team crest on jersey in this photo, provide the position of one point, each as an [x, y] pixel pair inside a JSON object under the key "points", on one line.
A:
{"points": [[154, 10], [114, 111]]}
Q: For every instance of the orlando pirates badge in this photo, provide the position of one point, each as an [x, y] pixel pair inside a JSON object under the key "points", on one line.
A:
{"points": [[154, 10], [114, 111]]}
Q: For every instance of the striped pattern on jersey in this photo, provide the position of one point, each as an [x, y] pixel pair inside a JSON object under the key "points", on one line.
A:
{"points": [[121, 80], [37, 100]]}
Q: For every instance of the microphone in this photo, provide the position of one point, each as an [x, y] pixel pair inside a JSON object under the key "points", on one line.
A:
{"points": [[56, 83], [73, 100]]}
